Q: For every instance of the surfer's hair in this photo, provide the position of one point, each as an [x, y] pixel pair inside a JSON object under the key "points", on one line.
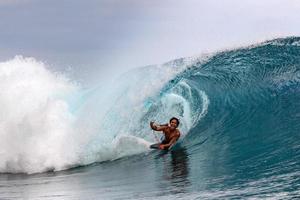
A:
{"points": [[176, 120]]}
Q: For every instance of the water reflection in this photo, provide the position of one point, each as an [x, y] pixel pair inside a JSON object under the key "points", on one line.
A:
{"points": [[175, 171]]}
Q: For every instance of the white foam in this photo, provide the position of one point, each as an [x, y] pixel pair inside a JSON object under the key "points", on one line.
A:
{"points": [[34, 119], [126, 145], [47, 122]]}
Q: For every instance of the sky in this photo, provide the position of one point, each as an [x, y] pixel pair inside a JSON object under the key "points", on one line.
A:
{"points": [[92, 38]]}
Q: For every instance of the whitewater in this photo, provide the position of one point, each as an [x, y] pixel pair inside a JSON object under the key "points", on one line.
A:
{"points": [[49, 122], [239, 111]]}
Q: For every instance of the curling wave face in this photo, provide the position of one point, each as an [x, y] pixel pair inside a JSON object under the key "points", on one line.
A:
{"points": [[251, 129], [239, 108]]}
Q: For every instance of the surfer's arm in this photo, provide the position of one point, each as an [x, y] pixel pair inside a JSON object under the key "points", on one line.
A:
{"points": [[157, 128], [172, 141]]}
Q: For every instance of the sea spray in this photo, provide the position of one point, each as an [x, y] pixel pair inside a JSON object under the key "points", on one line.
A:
{"points": [[48, 122], [35, 125]]}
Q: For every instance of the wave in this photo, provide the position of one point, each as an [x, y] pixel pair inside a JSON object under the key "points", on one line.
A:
{"points": [[239, 104], [252, 124]]}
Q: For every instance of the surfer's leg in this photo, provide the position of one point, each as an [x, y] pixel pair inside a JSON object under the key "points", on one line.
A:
{"points": [[164, 142]]}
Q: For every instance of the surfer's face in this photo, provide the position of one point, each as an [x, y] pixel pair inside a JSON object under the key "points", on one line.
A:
{"points": [[173, 123]]}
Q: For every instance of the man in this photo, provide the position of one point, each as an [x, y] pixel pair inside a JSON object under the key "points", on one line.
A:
{"points": [[171, 132]]}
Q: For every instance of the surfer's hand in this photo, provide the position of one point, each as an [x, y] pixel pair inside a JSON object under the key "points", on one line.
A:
{"points": [[161, 146], [152, 125]]}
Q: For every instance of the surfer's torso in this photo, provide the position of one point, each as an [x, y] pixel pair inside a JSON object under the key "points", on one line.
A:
{"points": [[170, 134], [170, 131]]}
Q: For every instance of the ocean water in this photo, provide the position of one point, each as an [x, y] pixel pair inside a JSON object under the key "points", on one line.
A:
{"points": [[240, 122]]}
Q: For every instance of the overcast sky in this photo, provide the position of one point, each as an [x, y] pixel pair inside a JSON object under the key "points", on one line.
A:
{"points": [[92, 36]]}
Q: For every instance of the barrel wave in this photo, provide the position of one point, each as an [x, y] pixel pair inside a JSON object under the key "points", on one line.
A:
{"points": [[239, 111], [251, 130]]}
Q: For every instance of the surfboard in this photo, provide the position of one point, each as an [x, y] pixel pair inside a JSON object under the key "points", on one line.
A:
{"points": [[154, 146]]}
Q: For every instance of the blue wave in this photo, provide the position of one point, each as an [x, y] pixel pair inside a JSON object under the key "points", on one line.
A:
{"points": [[240, 119], [253, 119]]}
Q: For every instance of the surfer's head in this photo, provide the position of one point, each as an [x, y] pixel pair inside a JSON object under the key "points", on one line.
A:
{"points": [[174, 122]]}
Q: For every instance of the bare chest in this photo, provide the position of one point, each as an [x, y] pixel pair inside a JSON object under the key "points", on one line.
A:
{"points": [[170, 134]]}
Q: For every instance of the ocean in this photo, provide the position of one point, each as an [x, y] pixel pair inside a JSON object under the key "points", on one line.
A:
{"points": [[239, 112]]}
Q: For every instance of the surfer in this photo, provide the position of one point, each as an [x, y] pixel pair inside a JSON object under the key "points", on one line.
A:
{"points": [[170, 131]]}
